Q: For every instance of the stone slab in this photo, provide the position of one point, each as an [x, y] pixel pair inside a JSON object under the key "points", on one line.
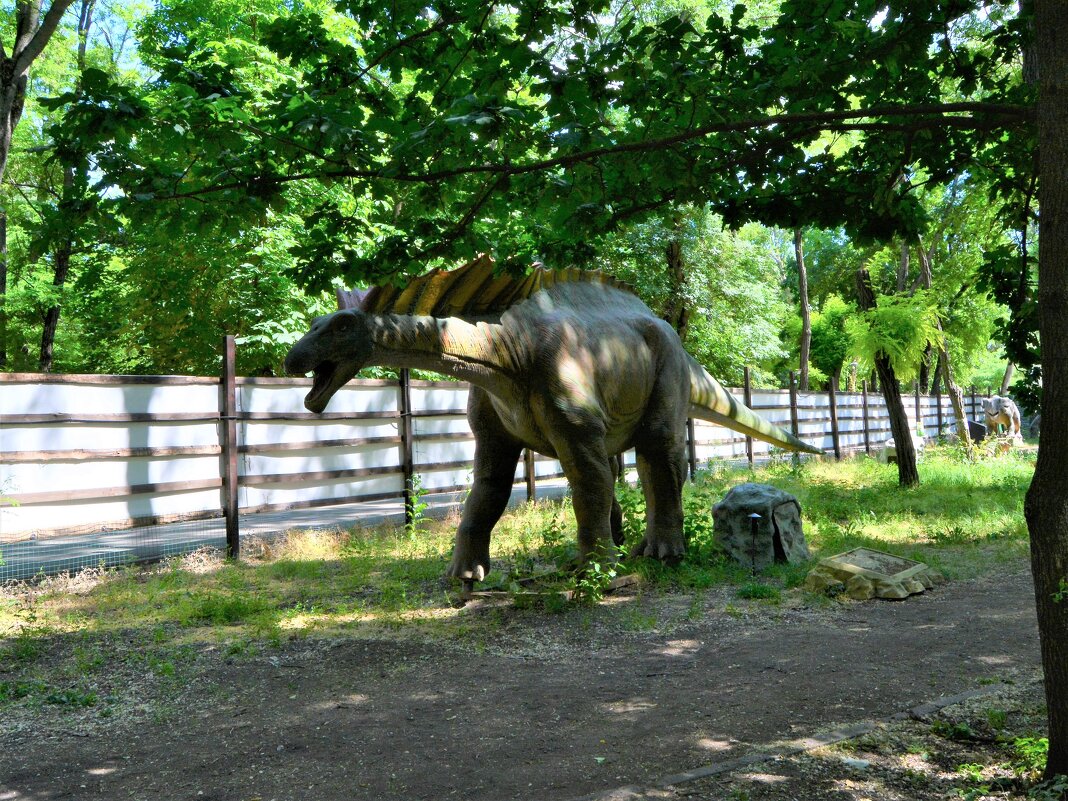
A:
{"points": [[864, 573]]}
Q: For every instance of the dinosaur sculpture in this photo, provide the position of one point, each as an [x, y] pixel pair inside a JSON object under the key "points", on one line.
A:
{"points": [[565, 363], [999, 412]]}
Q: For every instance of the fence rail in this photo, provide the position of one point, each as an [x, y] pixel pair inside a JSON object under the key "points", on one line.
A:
{"points": [[87, 453]]}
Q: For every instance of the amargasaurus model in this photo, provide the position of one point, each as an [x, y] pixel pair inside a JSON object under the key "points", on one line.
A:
{"points": [[564, 363]]}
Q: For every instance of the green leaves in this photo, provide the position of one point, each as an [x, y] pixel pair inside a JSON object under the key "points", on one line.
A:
{"points": [[900, 327]]}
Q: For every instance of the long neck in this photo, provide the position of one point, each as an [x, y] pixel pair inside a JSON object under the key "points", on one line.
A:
{"points": [[471, 352]]}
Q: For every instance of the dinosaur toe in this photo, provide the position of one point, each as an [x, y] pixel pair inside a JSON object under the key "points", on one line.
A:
{"points": [[665, 550], [467, 570]]}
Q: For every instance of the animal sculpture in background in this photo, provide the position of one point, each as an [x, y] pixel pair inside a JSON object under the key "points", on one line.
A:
{"points": [[1002, 412], [569, 364]]}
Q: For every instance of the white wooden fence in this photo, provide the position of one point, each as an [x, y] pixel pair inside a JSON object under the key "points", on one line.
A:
{"points": [[86, 453]]}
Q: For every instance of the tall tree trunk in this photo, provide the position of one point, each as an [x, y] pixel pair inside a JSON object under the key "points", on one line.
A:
{"points": [[1006, 379], [922, 280], [956, 396], [677, 312], [903, 267], [936, 374], [3, 288], [51, 318], [1046, 507], [12, 98], [62, 253], [925, 367], [907, 474], [956, 399], [32, 34], [806, 316]]}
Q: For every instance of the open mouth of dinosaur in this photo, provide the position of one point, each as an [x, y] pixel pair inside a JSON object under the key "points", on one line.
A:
{"points": [[327, 378]]}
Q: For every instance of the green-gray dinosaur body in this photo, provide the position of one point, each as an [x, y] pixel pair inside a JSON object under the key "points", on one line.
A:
{"points": [[579, 371]]}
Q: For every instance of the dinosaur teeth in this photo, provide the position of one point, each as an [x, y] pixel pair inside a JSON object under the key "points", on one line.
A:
{"points": [[322, 385]]}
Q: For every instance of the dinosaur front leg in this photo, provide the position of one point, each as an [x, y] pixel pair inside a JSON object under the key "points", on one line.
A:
{"points": [[495, 463], [496, 456]]}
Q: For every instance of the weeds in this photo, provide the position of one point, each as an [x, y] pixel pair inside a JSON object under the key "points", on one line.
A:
{"points": [[415, 513], [593, 582]]}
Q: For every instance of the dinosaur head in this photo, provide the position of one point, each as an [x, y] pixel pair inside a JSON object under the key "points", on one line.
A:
{"points": [[333, 351]]}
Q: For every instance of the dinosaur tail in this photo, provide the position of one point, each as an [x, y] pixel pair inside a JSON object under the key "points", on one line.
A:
{"points": [[710, 401]]}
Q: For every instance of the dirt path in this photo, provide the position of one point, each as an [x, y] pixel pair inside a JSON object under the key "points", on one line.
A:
{"points": [[551, 707]]}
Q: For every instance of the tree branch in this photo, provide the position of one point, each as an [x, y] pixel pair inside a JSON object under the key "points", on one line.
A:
{"points": [[24, 56], [830, 120]]}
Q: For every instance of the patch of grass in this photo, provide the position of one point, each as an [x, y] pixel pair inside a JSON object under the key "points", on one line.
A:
{"points": [[754, 590], [44, 693], [219, 608]]}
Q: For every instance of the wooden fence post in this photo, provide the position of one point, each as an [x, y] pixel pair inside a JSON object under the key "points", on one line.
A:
{"points": [[407, 459], [747, 395], [973, 415], [529, 475], [864, 414], [228, 444], [834, 420]]}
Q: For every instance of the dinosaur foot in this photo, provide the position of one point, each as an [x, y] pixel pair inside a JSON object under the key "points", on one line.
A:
{"points": [[468, 570], [667, 551]]}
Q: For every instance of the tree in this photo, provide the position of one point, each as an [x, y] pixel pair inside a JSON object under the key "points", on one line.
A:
{"points": [[806, 316], [32, 33], [143, 298], [64, 249], [729, 295], [831, 342], [1046, 507]]}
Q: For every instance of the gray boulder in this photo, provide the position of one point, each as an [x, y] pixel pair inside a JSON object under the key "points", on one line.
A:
{"points": [[757, 542]]}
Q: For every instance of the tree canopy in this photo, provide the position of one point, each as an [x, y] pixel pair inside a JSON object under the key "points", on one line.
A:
{"points": [[436, 131]]}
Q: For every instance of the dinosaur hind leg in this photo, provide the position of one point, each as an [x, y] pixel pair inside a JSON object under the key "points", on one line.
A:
{"points": [[661, 452], [662, 471]]}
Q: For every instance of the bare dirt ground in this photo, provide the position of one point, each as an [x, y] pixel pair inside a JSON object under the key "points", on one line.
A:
{"points": [[547, 706]]}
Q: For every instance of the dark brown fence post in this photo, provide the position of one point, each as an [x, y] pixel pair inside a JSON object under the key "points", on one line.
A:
{"points": [[916, 404], [974, 406], [407, 460], [747, 396], [529, 475], [228, 444], [864, 414], [691, 446], [834, 419]]}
